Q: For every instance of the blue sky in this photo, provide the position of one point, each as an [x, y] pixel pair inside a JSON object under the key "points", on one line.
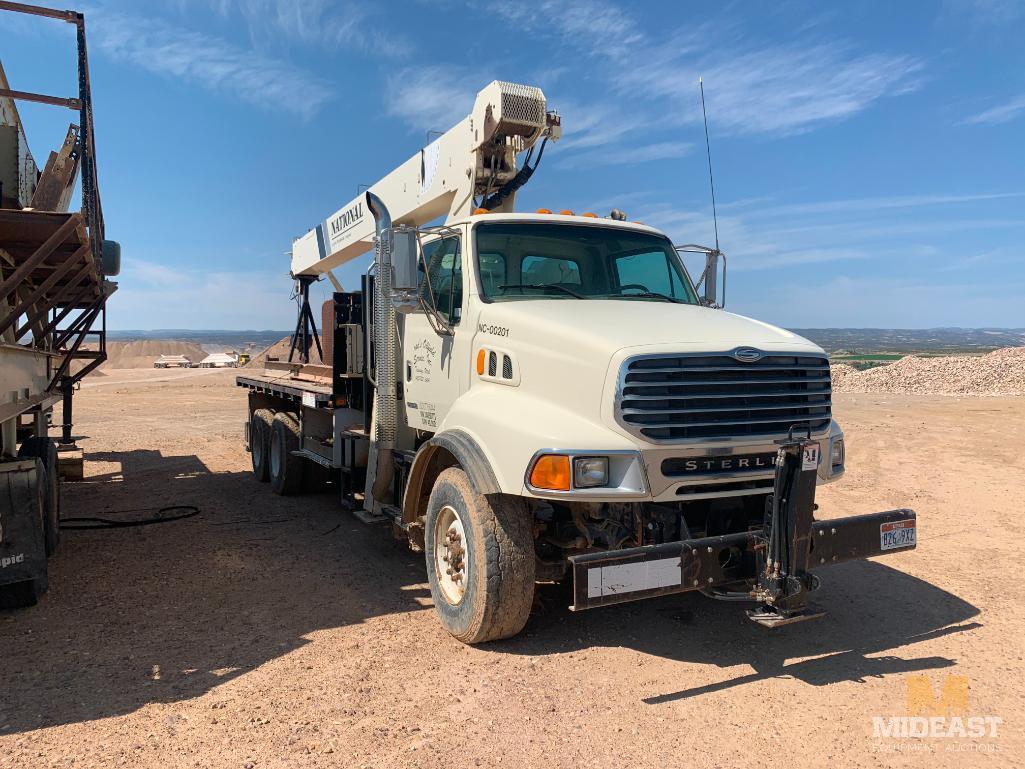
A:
{"points": [[869, 159]]}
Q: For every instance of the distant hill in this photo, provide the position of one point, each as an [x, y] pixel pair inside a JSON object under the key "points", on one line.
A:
{"points": [[855, 340], [212, 340], [907, 340]]}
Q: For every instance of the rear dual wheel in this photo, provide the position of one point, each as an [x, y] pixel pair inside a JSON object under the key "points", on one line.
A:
{"points": [[45, 450], [18, 595], [286, 469], [259, 443]]}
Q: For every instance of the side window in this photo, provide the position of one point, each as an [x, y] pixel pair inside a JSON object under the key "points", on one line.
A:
{"points": [[445, 274], [492, 272], [650, 270], [546, 270]]}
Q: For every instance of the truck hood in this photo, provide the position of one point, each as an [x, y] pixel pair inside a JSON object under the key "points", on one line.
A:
{"points": [[606, 326]]}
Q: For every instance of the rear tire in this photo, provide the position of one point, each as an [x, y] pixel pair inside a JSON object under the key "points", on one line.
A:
{"points": [[19, 595], [45, 450], [259, 443], [480, 560], [286, 469]]}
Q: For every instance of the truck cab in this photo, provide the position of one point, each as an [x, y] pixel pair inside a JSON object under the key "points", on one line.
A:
{"points": [[591, 331]]}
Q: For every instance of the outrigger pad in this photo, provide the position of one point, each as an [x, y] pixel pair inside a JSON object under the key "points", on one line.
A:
{"points": [[768, 617]]}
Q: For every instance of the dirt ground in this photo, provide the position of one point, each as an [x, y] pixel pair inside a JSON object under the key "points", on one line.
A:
{"points": [[273, 632]]}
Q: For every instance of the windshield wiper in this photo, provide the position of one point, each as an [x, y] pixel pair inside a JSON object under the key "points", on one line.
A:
{"points": [[542, 286], [647, 295]]}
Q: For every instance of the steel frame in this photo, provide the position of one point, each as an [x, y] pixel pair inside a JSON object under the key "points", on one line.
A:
{"points": [[46, 305]]}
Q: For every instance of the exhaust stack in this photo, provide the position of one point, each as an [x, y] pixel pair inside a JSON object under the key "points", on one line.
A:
{"points": [[386, 351]]}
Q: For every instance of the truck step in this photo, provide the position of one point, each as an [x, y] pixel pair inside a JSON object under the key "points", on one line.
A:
{"points": [[368, 517], [770, 618]]}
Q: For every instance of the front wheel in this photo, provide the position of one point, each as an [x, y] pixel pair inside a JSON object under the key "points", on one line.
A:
{"points": [[480, 560]]}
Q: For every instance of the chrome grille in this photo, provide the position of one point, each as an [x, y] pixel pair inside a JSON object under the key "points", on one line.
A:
{"points": [[715, 396]]}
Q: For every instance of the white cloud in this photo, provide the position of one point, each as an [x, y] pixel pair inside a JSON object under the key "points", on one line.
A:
{"points": [[152, 295], [751, 87], [993, 13], [844, 301], [210, 62], [432, 98], [327, 23], [154, 274], [643, 153], [896, 231], [882, 203], [601, 26], [593, 124], [1002, 113], [773, 89]]}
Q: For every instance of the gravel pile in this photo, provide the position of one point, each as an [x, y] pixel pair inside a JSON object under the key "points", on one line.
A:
{"points": [[1001, 372], [840, 373], [279, 350]]}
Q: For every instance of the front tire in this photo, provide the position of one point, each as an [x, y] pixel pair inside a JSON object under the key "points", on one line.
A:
{"points": [[480, 560]]}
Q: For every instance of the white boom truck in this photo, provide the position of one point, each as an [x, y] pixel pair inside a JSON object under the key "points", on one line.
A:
{"points": [[545, 397]]}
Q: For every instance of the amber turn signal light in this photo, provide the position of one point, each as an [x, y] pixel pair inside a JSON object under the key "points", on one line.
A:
{"points": [[480, 362], [551, 471]]}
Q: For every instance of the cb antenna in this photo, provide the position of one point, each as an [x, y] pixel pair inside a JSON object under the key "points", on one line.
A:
{"points": [[708, 154]]}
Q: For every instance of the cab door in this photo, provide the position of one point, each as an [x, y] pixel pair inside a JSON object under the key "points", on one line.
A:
{"points": [[434, 370]]}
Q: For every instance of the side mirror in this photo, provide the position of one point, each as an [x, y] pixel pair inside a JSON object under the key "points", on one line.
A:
{"points": [[710, 295], [708, 284], [405, 258]]}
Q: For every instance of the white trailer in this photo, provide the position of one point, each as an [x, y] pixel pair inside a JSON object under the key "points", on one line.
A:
{"points": [[172, 361], [539, 396]]}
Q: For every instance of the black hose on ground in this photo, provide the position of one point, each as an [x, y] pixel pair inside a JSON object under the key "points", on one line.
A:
{"points": [[96, 522]]}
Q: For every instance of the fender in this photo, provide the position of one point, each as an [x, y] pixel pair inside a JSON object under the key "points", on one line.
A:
{"points": [[468, 455]]}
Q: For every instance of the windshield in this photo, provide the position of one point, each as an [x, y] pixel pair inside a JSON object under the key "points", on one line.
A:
{"points": [[574, 261]]}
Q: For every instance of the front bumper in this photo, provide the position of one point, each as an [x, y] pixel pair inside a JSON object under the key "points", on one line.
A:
{"points": [[605, 578]]}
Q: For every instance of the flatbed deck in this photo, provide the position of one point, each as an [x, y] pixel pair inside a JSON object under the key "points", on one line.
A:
{"points": [[300, 391]]}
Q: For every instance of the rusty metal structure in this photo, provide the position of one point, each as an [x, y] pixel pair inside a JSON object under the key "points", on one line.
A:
{"points": [[53, 262], [55, 266]]}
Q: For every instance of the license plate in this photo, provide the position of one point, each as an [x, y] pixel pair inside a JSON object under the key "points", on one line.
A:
{"points": [[897, 534], [810, 456]]}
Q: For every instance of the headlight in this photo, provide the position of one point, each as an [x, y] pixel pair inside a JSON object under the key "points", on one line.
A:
{"points": [[836, 453], [589, 472]]}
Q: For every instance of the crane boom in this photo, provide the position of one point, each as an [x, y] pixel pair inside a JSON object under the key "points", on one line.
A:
{"points": [[478, 156]]}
